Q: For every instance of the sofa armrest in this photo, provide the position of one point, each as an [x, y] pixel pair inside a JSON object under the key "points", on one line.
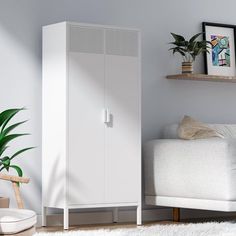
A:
{"points": [[203, 168]]}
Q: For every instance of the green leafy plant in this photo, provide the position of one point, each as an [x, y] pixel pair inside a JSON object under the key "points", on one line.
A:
{"points": [[189, 49], [6, 136]]}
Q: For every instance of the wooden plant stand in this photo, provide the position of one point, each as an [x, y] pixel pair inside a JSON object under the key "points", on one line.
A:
{"points": [[15, 180]]}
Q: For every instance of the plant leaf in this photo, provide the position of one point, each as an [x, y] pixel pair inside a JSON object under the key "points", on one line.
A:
{"points": [[21, 151], [179, 51], [192, 45], [175, 48], [6, 139], [194, 37], [7, 115], [10, 128], [179, 44], [3, 150], [177, 37], [6, 162], [18, 170]]}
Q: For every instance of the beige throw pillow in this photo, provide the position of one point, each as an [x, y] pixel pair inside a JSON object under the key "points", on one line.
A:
{"points": [[190, 128]]}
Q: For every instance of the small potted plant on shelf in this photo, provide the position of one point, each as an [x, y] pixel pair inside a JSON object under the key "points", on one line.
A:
{"points": [[189, 49], [6, 136]]}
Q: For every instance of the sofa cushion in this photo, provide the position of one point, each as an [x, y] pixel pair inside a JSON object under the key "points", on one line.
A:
{"points": [[226, 130], [190, 128]]}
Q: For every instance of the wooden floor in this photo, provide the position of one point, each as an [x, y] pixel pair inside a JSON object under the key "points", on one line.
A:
{"points": [[129, 225]]}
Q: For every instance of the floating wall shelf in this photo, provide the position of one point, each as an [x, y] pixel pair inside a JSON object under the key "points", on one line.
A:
{"points": [[203, 77]]}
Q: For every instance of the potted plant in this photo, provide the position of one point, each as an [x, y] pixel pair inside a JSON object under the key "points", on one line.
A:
{"points": [[189, 49], [6, 136]]}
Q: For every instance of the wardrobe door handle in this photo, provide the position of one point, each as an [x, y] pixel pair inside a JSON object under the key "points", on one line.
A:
{"points": [[106, 116], [108, 119]]}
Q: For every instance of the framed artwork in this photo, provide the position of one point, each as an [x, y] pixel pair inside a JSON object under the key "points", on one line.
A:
{"points": [[221, 59]]}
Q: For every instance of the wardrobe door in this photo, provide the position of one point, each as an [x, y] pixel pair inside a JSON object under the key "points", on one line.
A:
{"points": [[122, 135], [86, 128]]}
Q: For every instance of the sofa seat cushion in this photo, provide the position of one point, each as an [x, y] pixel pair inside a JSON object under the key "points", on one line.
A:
{"points": [[13, 221], [201, 169]]}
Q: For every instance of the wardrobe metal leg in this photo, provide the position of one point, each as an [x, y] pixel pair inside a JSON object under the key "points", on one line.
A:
{"points": [[115, 215], [66, 218], [139, 215], [44, 216]]}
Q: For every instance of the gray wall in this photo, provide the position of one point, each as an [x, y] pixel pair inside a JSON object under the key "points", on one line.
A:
{"points": [[163, 101]]}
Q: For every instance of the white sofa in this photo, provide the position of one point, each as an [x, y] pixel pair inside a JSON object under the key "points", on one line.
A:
{"points": [[197, 174]]}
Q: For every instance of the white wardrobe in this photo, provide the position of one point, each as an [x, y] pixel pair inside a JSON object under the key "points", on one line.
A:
{"points": [[91, 143]]}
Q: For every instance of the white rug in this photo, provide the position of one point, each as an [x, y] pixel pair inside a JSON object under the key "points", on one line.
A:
{"points": [[209, 229]]}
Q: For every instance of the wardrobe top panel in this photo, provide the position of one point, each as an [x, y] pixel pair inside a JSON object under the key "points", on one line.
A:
{"points": [[93, 25]]}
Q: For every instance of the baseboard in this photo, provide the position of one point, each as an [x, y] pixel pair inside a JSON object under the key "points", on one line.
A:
{"points": [[128, 216]]}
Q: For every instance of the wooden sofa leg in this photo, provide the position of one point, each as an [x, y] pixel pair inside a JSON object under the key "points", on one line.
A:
{"points": [[176, 214]]}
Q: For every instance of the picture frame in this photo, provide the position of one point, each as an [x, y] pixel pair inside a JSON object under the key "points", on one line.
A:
{"points": [[221, 59]]}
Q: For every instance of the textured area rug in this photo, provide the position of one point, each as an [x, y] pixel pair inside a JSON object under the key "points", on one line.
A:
{"points": [[203, 229]]}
